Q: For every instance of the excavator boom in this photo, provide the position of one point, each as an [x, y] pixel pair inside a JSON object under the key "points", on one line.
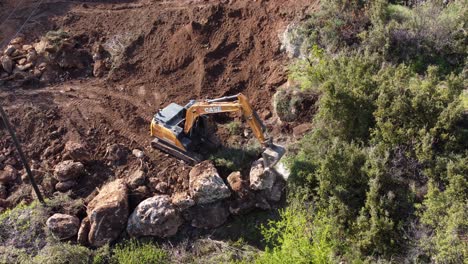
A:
{"points": [[173, 126]]}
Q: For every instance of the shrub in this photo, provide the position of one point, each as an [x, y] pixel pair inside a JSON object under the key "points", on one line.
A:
{"points": [[234, 127], [133, 251], [61, 253], [444, 211], [299, 238]]}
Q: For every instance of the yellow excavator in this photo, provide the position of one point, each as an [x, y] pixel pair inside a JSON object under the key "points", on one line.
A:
{"points": [[179, 129]]}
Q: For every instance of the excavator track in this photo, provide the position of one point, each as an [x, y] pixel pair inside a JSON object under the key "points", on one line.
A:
{"points": [[190, 158]]}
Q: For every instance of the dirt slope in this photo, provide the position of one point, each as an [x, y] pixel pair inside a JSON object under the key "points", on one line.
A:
{"points": [[168, 51]]}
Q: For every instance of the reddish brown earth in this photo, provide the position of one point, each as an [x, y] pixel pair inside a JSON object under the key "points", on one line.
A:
{"points": [[175, 51]]}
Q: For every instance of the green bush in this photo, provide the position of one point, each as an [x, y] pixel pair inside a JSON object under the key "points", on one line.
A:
{"points": [[381, 132], [445, 211], [133, 251], [299, 238], [61, 253]]}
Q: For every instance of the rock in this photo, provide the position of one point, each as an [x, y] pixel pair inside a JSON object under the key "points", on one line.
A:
{"points": [[31, 56], [207, 215], [261, 202], [24, 67], [244, 199], [136, 178], [205, 184], [136, 196], [17, 40], [138, 153], [8, 174], [108, 213], [9, 50], [63, 226], [301, 130], [22, 61], [83, 232], [7, 64], [182, 201], [65, 186], [235, 181], [274, 194], [41, 46], [259, 178], [162, 187], [68, 170], [266, 114], [76, 151], [3, 192], [117, 153], [155, 216], [99, 68], [27, 47]]}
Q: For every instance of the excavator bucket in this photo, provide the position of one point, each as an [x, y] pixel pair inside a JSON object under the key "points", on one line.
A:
{"points": [[272, 155]]}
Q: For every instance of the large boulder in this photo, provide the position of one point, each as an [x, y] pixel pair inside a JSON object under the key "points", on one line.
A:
{"points": [[207, 216], [243, 198], [261, 179], [155, 216], [205, 184], [8, 174], [108, 213], [68, 170], [63, 226]]}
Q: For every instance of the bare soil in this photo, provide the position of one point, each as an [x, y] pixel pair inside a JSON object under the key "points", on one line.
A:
{"points": [[168, 51]]}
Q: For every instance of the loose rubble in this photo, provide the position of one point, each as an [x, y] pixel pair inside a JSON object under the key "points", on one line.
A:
{"points": [[48, 60]]}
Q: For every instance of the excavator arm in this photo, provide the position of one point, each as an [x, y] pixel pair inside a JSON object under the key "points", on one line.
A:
{"points": [[224, 105]]}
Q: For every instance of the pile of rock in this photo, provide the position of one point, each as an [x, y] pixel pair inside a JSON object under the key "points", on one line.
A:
{"points": [[50, 59], [207, 204]]}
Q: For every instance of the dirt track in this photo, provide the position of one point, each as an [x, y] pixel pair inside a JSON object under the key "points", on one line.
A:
{"points": [[175, 51]]}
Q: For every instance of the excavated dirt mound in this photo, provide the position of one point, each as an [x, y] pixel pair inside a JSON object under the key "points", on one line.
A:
{"points": [[162, 52]]}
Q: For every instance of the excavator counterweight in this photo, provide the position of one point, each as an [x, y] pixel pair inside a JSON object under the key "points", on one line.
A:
{"points": [[178, 128]]}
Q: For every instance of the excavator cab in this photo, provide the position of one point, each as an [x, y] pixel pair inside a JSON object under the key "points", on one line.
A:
{"points": [[178, 128]]}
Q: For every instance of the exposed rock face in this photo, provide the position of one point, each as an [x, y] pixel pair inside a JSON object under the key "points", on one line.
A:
{"points": [[83, 232], [244, 199], [182, 201], [259, 178], [65, 186], [207, 215], [76, 151], [8, 174], [205, 185], [108, 213], [68, 170], [155, 216], [63, 226]]}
